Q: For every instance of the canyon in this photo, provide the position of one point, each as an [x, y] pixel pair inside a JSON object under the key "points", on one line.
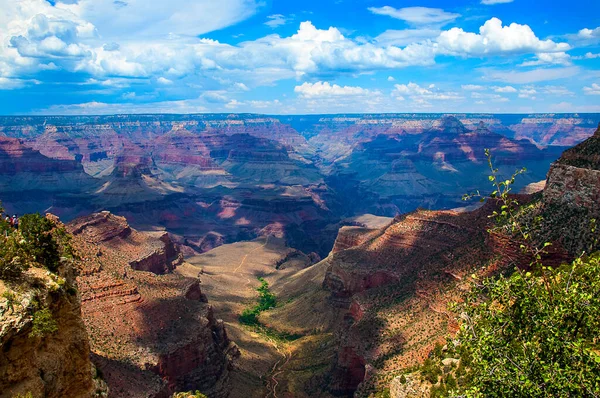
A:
{"points": [[355, 222]]}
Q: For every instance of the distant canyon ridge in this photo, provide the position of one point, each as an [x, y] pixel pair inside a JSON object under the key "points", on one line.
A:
{"points": [[216, 179]]}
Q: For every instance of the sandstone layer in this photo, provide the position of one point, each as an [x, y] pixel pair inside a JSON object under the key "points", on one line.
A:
{"points": [[152, 332]]}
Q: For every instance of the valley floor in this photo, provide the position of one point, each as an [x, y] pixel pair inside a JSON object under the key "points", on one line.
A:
{"points": [[273, 362]]}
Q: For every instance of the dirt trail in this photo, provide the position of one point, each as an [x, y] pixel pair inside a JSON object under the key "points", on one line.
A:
{"points": [[249, 253], [272, 383]]}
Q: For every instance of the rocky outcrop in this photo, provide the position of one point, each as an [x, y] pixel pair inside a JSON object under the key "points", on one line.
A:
{"points": [[156, 254], [151, 334], [55, 364], [395, 287], [571, 197]]}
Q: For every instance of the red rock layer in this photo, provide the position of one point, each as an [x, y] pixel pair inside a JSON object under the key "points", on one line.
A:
{"points": [[150, 334]]}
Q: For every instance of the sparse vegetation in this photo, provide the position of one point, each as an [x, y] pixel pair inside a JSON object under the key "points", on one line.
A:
{"points": [[533, 333], [43, 323]]}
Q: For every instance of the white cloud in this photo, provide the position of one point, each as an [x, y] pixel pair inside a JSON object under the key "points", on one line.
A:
{"points": [[416, 15], [559, 58], [472, 87], [391, 79], [160, 19], [276, 20], [528, 92], [556, 90], [505, 89], [406, 36], [11, 84], [495, 39], [593, 90], [489, 97], [491, 2], [324, 89], [589, 34], [423, 94], [164, 81], [588, 55], [532, 76]]}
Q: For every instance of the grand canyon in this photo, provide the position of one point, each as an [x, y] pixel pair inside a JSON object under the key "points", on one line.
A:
{"points": [[355, 223]]}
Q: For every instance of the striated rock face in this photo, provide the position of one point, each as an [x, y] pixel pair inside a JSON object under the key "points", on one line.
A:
{"points": [[24, 169], [572, 196], [151, 335], [56, 365]]}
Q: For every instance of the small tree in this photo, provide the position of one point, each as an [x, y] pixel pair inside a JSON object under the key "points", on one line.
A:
{"points": [[39, 241]]}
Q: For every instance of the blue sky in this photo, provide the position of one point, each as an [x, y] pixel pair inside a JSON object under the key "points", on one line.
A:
{"points": [[294, 57]]}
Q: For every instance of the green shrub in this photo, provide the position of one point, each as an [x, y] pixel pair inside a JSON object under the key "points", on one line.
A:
{"points": [[531, 334], [43, 323], [39, 241], [431, 371], [14, 258], [266, 300], [249, 316]]}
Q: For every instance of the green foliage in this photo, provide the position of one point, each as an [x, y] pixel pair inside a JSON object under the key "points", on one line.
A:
{"points": [[431, 371], [14, 258], [249, 316], [43, 323], [531, 334], [39, 241], [190, 394], [266, 300], [535, 336], [27, 395]]}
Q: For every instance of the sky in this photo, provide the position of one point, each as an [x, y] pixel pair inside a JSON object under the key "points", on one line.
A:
{"points": [[299, 57]]}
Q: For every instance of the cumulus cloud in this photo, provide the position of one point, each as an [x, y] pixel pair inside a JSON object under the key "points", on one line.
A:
{"points": [[589, 34], [587, 55], [505, 89], [528, 92], [416, 15], [594, 89], [560, 58], [423, 94], [496, 39], [325, 89], [130, 48]]}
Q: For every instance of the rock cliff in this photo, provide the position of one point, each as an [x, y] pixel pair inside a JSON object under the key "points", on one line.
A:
{"points": [[44, 347], [152, 332]]}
